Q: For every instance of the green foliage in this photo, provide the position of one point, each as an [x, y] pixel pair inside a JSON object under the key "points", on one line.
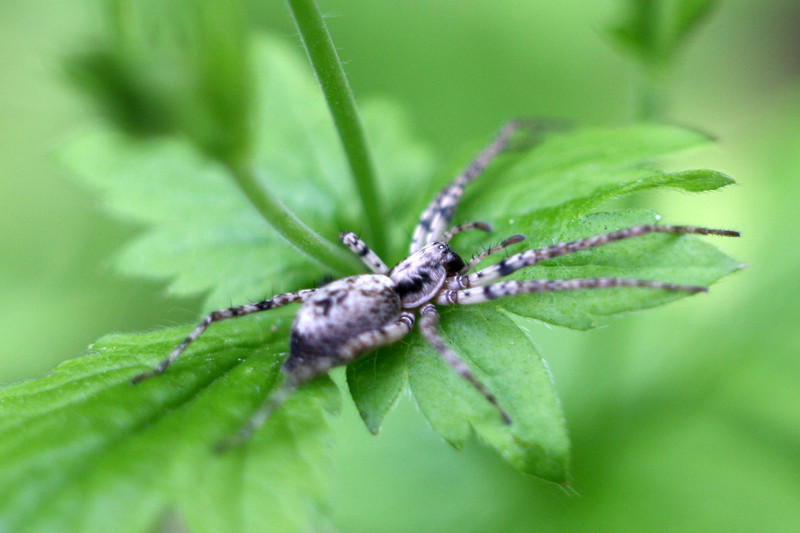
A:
{"points": [[654, 30], [550, 193], [82, 447], [176, 67], [200, 231], [133, 450]]}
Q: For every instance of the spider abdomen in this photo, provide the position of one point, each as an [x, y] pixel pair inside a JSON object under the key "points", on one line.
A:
{"points": [[334, 315]]}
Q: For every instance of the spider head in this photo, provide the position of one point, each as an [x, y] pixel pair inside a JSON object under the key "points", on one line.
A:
{"points": [[420, 275], [452, 262]]}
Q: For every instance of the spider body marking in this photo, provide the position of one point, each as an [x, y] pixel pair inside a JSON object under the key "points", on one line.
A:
{"points": [[349, 317], [335, 315]]}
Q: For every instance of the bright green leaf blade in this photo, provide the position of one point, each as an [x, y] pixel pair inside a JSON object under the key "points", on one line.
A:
{"points": [[202, 234], [575, 165], [677, 259], [376, 381], [83, 448], [504, 359], [552, 193], [558, 203]]}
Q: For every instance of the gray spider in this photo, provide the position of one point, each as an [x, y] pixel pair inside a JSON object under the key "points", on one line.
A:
{"points": [[343, 320]]}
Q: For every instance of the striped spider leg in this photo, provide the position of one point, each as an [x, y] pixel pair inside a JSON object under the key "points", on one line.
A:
{"points": [[439, 212], [461, 289]]}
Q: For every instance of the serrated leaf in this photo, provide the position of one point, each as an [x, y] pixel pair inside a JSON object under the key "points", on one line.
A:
{"points": [[504, 358], [200, 231], [506, 361], [551, 193], [655, 257], [579, 164], [82, 447], [376, 381]]}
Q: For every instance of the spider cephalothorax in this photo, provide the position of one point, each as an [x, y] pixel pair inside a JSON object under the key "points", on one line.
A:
{"points": [[419, 276], [349, 317]]}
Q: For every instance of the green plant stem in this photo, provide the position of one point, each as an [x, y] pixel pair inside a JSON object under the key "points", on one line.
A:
{"points": [[288, 225], [325, 61], [652, 98]]}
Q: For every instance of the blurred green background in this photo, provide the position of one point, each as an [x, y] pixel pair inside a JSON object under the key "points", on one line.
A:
{"points": [[682, 418]]}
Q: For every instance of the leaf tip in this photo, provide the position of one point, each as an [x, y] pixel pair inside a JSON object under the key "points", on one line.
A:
{"points": [[372, 427]]}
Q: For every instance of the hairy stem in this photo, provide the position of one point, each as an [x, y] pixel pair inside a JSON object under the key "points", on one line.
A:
{"points": [[288, 225], [342, 105]]}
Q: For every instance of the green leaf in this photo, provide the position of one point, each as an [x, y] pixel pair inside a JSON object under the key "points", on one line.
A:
{"points": [[550, 193], [505, 360], [82, 447], [202, 234], [177, 67], [654, 30], [136, 451], [578, 164]]}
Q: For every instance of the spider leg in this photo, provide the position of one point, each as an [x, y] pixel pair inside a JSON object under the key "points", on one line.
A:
{"points": [[428, 323], [514, 287], [258, 418], [532, 257], [295, 377], [375, 338], [222, 314], [480, 256], [483, 226], [439, 212], [367, 256]]}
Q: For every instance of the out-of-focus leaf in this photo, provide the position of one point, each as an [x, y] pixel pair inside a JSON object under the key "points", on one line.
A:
{"points": [[202, 234], [177, 67], [653, 30]]}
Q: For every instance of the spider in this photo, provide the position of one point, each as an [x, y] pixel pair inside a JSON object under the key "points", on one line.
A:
{"points": [[341, 321]]}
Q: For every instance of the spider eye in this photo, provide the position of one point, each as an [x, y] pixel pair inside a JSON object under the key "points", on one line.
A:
{"points": [[442, 246]]}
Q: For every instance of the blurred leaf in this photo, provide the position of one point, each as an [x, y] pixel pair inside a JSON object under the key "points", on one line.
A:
{"points": [[176, 67], [551, 193], [82, 448], [201, 233], [654, 30]]}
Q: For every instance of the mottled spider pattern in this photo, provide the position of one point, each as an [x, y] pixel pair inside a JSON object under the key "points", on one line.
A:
{"points": [[343, 320]]}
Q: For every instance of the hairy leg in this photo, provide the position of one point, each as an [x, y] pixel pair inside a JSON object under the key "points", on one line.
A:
{"points": [[480, 256], [223, 314], [483, 226], [367, 256], [532, 257], [428, 323], [514, 287], [439, 212]]}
